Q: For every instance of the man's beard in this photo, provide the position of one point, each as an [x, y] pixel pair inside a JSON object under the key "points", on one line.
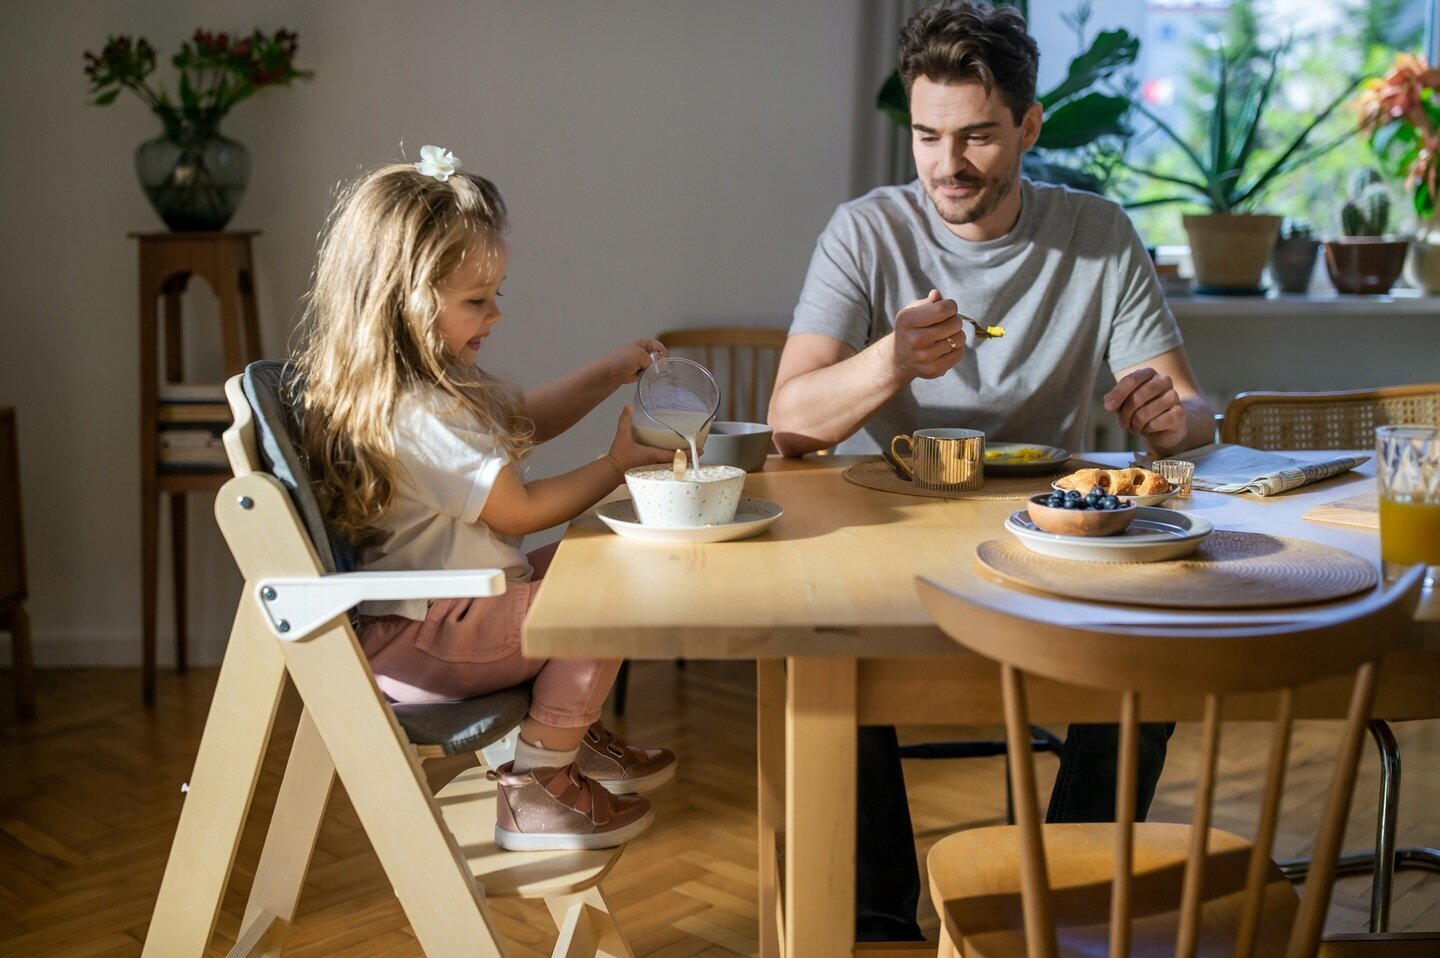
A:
{"points": [[960, 212]]}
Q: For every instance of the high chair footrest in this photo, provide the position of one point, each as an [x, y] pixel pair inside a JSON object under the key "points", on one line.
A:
{"points": [[468, 805]]}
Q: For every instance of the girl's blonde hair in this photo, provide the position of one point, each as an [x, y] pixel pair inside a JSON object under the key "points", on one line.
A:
{"points": [[371, 333]]}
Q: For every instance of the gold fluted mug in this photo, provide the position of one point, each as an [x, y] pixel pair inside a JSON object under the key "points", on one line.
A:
{"points": [[943, 460]]}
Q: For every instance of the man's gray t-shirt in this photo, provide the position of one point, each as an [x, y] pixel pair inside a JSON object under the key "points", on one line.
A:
{"points": [[1071, 283]]}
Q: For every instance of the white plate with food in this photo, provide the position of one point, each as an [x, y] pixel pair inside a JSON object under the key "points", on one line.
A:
{"points": [[1154, 536], [752, 517], [1004, 459], [1140, 486]]}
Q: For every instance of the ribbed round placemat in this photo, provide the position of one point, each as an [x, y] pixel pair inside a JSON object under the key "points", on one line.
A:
{"points": [[1230, 570], [877, 474]]}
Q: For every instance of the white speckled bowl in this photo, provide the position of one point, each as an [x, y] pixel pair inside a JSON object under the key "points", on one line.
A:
{"points": [[707, 496]]}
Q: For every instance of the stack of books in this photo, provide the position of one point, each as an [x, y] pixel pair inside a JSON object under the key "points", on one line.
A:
{"points": [[191, 418]]}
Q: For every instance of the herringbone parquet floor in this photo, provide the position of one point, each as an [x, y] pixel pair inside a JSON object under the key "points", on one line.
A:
{"points": [[89, 796]]}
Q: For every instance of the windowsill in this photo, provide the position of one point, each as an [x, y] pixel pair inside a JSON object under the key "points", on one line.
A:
{"points": [[1398, 303]]}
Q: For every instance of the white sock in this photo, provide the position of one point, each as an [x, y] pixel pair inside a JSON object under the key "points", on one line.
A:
{"points": [[529, 756]]}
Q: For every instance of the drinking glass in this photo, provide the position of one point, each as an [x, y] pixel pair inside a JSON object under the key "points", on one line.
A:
{"points": [[1408, 469]]}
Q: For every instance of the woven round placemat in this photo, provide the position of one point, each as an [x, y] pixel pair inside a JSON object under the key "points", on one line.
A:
{"points": [[877, 474], [1232, 570]]}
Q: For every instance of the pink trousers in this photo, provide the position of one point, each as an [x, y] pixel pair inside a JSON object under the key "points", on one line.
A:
{"points": [[468, 647]]}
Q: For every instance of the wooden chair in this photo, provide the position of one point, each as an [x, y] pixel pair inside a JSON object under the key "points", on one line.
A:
{"points": [[1345, 419], [1152, 888], [438, 850], [742, 359]]}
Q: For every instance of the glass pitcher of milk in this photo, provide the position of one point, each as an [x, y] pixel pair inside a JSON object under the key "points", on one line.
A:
{"points": [[675, 403]]}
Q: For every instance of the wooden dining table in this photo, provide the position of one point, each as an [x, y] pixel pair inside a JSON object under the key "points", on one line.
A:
{"points": [[825, 603]]}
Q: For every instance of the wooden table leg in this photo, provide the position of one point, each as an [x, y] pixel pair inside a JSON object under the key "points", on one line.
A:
{"points": [[820, 807], [770, 774]]}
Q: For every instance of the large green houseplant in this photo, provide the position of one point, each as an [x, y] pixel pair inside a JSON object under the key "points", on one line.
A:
{"points": [[1230, 244]]}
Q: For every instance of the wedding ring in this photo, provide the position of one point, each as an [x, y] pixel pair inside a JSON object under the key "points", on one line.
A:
{"points": [[951, 341]]}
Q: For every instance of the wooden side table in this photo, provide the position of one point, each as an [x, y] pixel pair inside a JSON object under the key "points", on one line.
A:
{"points": [[167, 262], [12, 569]]}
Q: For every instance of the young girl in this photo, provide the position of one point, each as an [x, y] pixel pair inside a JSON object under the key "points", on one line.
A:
{"points": [[419, 459]]}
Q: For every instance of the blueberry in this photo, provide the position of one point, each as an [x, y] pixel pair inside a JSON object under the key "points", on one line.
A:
{"points": [[1073, 494], [1112, 503]]}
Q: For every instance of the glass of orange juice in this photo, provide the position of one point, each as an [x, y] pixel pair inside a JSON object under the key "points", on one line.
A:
{"points": [[1408, 468]]}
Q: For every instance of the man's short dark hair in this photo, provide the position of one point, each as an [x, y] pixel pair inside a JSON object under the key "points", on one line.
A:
{"points": [[972, 41]]}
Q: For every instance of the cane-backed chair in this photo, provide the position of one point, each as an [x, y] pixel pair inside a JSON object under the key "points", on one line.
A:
{"points": [[1345, 419], [437, 848], [1042, 891]]}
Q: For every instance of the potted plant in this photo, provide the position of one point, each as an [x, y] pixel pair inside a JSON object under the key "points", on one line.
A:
{"points": [[192, 174], [1365, 259], [1292, 261], [1231, 244], [1400, 113]]}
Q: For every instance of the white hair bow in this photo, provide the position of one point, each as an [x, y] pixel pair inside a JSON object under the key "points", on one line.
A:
{"points": [[438, 162]]}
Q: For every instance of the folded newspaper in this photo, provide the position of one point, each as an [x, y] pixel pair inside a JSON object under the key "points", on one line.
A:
{"points": [[1222, 467]]}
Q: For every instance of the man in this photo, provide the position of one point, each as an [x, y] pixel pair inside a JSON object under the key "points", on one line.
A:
{"points": [[878, 348]]}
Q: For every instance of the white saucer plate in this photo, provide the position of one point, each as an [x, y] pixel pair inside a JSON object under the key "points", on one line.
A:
{"points": [[752, 517], [1055, 457], [1154, 536], [1151, 500]]}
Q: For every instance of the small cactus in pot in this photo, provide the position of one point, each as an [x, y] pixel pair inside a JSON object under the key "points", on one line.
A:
{"points": [[1364, 259], [1367, 211]]}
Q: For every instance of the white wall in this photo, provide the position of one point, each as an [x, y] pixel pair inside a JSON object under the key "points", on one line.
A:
{"points": [[666, 164]]}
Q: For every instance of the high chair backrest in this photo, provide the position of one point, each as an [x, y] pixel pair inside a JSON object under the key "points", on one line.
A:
{"points": [[1212, 661], [743, 360], [269, 443]]}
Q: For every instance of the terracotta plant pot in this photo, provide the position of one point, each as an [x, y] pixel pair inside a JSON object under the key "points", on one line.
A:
{"points": [[1293, 263], [1365, 264], [1230, 250]]}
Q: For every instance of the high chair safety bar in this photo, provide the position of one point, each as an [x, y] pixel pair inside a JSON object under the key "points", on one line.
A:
{"points": [[297, 607]]}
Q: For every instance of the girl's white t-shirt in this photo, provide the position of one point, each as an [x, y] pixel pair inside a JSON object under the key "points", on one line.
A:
{"points": [[447, 464]]}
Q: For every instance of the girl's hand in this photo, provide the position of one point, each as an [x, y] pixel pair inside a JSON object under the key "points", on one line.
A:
{"points": [[627, 452], [629, 361]]}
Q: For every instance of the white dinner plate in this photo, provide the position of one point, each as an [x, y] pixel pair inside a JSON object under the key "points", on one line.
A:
{"points": [[1155, 535], [752, 517], [1150, 500], [1055, 457]]}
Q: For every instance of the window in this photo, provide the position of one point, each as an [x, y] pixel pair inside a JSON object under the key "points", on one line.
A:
{"points": [[1321, 45]]}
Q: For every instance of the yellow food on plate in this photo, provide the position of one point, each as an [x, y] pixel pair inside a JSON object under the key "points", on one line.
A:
{"points": [[1023, 454]]}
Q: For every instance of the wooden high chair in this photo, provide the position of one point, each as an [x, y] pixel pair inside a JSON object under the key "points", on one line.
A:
{"points": [[1043, 891], [438, 850]]}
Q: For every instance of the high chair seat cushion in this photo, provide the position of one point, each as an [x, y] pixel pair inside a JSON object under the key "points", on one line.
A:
{"points": [[270, 385], [467, 725]]}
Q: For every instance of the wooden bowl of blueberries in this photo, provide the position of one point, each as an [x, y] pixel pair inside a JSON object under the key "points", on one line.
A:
{"points": [[1071, 514]]}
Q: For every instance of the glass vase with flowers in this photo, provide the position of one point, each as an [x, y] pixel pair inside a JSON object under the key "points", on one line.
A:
{"points": [[1401, 113], [192, 174]]}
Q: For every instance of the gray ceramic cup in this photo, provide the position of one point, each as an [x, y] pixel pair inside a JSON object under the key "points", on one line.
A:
{"points": [[743, 444]]}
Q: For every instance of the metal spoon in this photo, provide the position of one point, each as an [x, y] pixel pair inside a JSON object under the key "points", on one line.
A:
{"points": [[982, 331]]}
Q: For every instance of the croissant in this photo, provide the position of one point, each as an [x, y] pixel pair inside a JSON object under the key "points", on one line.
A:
{"points": [[1133, 481]]}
